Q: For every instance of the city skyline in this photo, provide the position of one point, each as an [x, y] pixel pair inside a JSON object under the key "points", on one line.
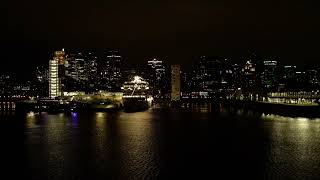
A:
{"points": [[91, 71], [29, 59], [29, 70], [170, 89], [38, 55]]}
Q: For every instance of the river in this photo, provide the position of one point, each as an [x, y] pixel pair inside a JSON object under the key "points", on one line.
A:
{"points": [[154, 144]]}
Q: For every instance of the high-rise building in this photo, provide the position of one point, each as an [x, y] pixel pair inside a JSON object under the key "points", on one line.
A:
{"points": [[56, 73], [289, 77], [5, 83], [110, 71], [157, 77], [40, 85], [175, 82], [76, 67], [206, 74], [155, 64], [236, 76], [301, 81], [213, 75], [270, 74], [312, 78], [42, 74], [289, 72], [54, 82], [60, 57], [185, 82], [92, 68], [71, 66], [249, 76], [227, 74]]}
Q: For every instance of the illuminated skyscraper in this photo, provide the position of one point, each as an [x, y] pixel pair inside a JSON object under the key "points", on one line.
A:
{"points": [[42, 74], [56, 73], [76, 67], [290, 77], [236, 75], [157, 77], [54, 82], [211, 74], [60, 57], [41, 86], [92, 68], [312, 79], [175, 82], [249, 76], [289, 72], [110, 71], [300, 81], [270, 75], [185, 82], [5, 83]]}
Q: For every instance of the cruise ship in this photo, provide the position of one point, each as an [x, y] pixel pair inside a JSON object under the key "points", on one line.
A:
{"points": [[136, 95]]}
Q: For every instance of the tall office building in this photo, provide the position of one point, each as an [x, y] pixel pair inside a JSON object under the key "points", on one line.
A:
{"points": [[212, 74], [227, 73], [289, 77], [54, 82], [158, 70], [42, 74], [92, 68], [300, 81], [76, 67], [40, 85], [249, 76], [110, 71], [5, 83], [175, 82], [157, 77], [61, 58], [186, 84], [270, 74], [289, 72], [312, 79], [71, 66], [236, 76], [56, 73]]}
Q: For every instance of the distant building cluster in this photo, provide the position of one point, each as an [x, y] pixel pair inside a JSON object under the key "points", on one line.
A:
{"points": [[91, 71], [84, 71], [213, 76]]}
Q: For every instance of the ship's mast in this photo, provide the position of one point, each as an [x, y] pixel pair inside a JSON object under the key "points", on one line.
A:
{"points": [[135, 86]]}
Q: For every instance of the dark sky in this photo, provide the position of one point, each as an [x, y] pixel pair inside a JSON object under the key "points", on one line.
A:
{"points": [[175, 30]]}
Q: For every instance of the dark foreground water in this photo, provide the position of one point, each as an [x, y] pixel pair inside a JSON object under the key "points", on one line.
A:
{"points": [[159, 145]]}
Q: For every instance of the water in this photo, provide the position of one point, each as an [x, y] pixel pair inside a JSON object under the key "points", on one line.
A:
{"points": [[159, 145]]}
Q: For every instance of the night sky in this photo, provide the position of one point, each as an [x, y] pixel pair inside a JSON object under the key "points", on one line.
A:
{"points": [[174, 30]]}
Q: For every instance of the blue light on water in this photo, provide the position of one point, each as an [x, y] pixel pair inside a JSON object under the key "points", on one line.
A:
{"points": [[74, 117], [74, 114]]}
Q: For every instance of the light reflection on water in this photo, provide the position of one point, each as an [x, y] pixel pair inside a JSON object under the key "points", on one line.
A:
{"points": [[146, 145], [57, 133], [197, 107], [293, 146], [285, 118], [139, 145], [31, 119]]}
